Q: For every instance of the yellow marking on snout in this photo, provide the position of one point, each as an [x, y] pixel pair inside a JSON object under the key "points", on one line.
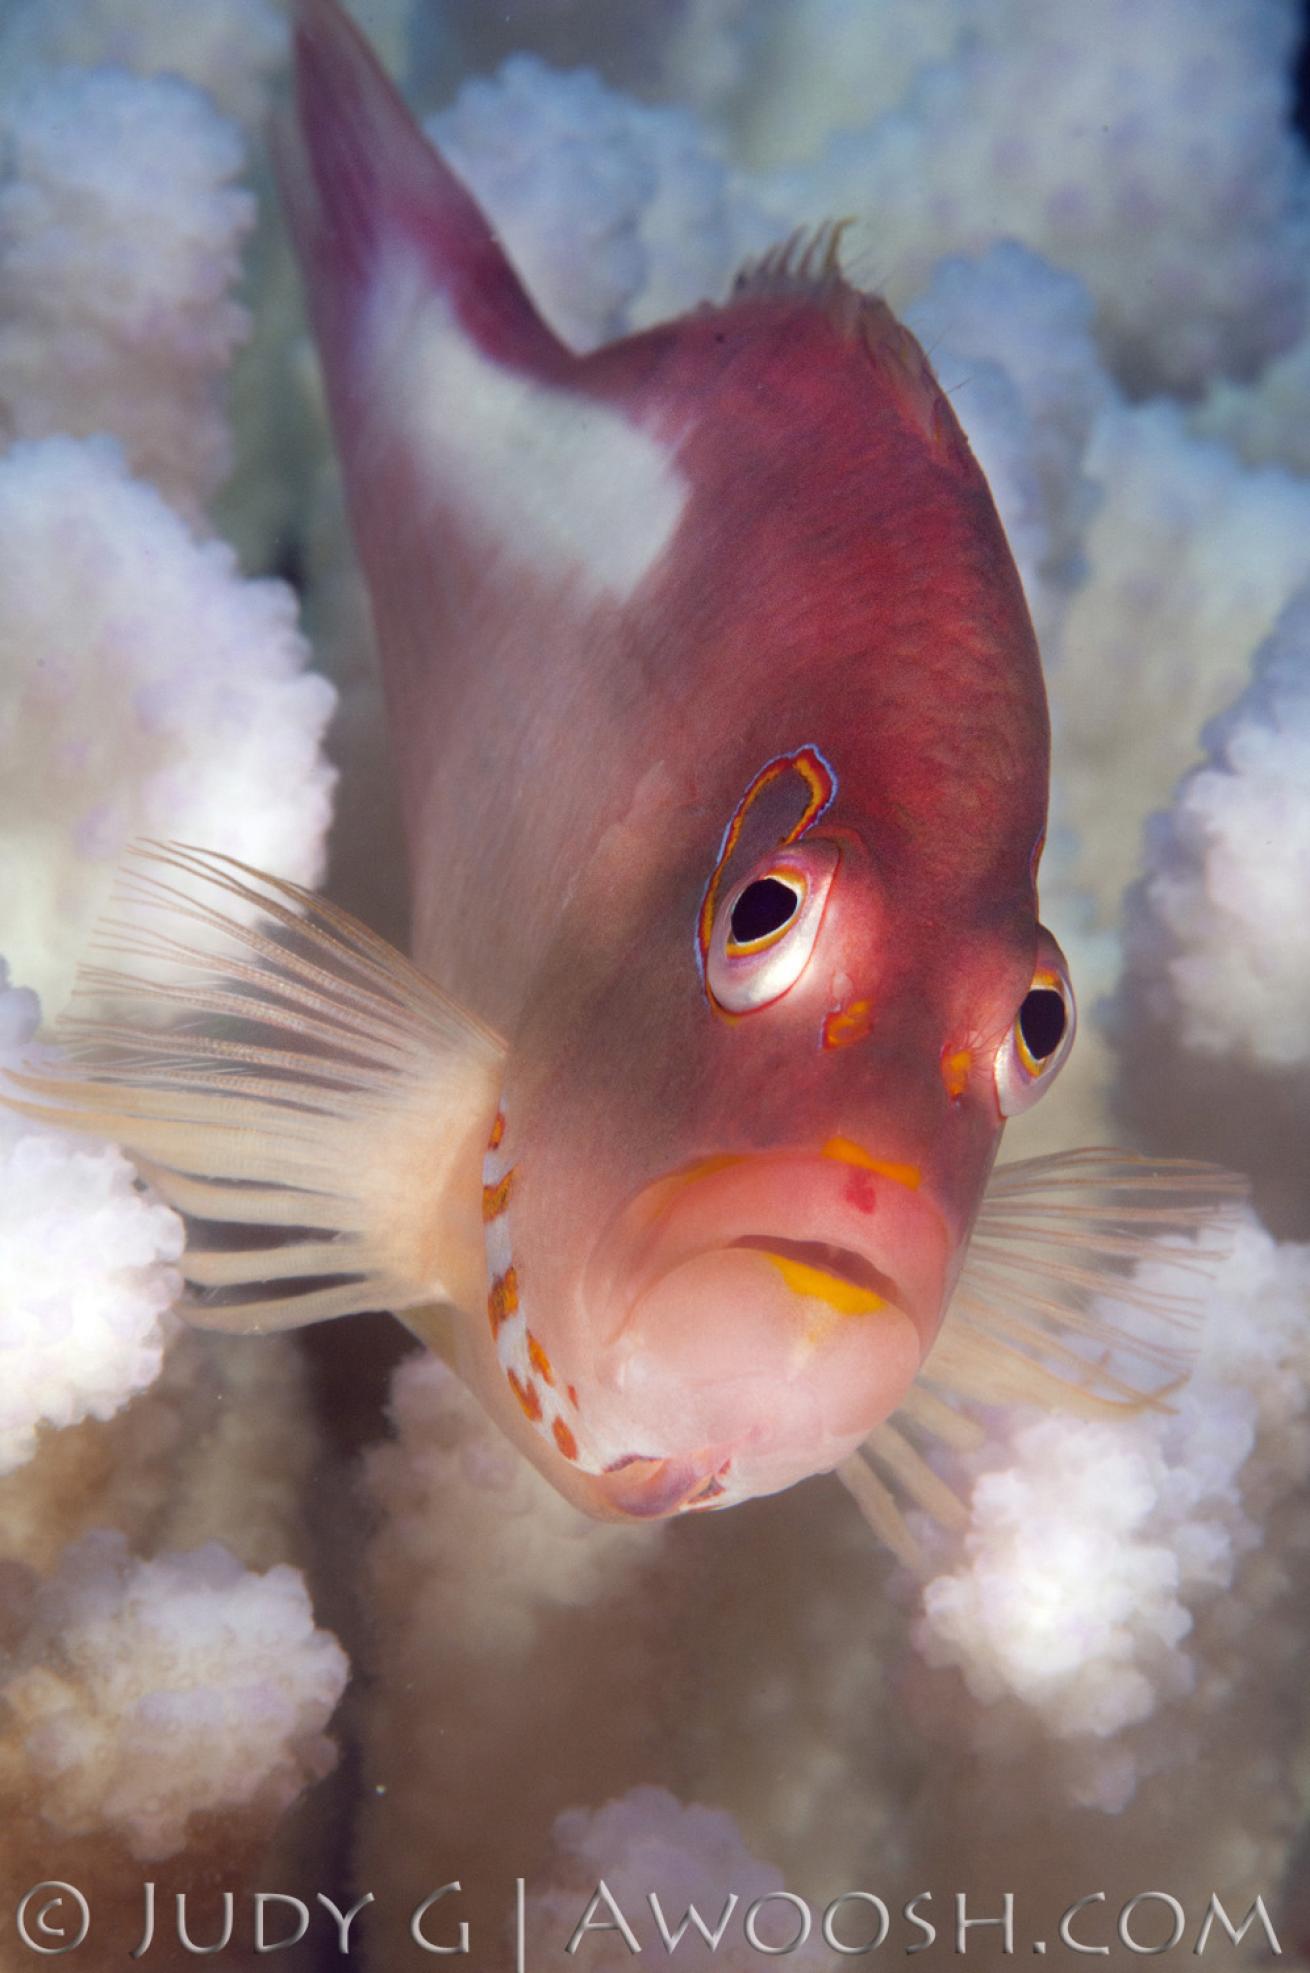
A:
{"points": [[847, 1152], [817, 1285], [678, 1181], [503, 1300]]}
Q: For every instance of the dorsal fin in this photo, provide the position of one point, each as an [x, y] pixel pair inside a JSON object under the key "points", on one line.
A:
{"points": [[806, 267]]}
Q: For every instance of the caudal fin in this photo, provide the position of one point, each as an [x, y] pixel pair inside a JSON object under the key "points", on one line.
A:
{"points": [[361, 181]]}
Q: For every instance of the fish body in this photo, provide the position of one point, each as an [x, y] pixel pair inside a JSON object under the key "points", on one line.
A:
{"points": [[610, 590], [722, 745]]}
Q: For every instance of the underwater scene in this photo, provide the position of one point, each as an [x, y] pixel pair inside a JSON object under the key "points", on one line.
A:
{"points": [[614, 1343]]}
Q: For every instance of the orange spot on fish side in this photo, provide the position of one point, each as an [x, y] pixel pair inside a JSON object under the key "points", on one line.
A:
{"points": [[847, 1024], [572, 1397], [860, 1192], [495, 1198], [847, 1152], [564, 1439], [527, 1396], [497, 1131], [956, 1065], [539, 1360], [503, 1299]]}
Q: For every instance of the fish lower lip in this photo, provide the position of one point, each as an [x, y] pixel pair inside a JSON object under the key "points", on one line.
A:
{"points": [[825, 1258], [642, 1489]]}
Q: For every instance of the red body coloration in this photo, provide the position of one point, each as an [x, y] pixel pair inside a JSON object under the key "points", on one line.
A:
{"points": [[608, 591]]}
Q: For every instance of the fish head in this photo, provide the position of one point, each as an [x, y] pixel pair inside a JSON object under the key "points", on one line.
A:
{"points": [[742, 1192]]}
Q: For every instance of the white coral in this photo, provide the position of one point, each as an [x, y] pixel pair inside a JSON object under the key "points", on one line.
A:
{"points": [[1010, 338], [662, 1859], [229, 48], [86, 1270], [1191, 556], [1145, 148], [120, 239], [1091, 1545], [145, 689], [145, 1694], [1219, 936]]}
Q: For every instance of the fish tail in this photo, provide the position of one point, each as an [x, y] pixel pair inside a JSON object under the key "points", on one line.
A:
{"points": [[435, 363], [359, 179]]}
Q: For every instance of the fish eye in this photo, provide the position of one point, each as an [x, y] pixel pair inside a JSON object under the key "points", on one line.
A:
{"points": [[1039, 1041], [1040, 1027], [763, 912], [765, 931]]}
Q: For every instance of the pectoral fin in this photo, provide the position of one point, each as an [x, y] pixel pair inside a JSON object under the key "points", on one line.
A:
{"points": [[1083, 1290], [310, 1102]]}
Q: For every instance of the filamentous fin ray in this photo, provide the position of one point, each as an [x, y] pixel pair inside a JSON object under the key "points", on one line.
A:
{"points": [[1085, 1280], [276, 1067], [1083, 1290]]}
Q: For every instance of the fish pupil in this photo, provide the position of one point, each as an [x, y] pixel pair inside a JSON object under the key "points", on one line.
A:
{"points": [[1042, 1021], [763, 907]]}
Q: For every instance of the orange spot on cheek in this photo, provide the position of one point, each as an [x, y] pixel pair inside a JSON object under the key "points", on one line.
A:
{"points": [[847, 1024], [527, 1396], [539, 1360], [957, 1065], [495, 1198], [564, 1439], [503, 1299]]}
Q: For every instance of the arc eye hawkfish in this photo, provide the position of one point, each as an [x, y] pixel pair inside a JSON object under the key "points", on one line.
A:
{"points": [[721, 738]]}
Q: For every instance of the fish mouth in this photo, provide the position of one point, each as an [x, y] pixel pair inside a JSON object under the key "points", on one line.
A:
{"points": [[822, 1257], [641, 1489], [756, 1316], [839, 1215]]}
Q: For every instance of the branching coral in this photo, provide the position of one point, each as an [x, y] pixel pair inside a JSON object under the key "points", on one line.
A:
{"points": [[145, 1693], [169, 698], [1090, 1543], [93, 338], [1164, 173], [228, 48], [144, 687], [660, 1861], [85, 1273], [1219, 944], [158, 1719]]}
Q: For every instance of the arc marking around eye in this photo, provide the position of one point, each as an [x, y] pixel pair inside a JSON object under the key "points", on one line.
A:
{"points": [[821, 784]]}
